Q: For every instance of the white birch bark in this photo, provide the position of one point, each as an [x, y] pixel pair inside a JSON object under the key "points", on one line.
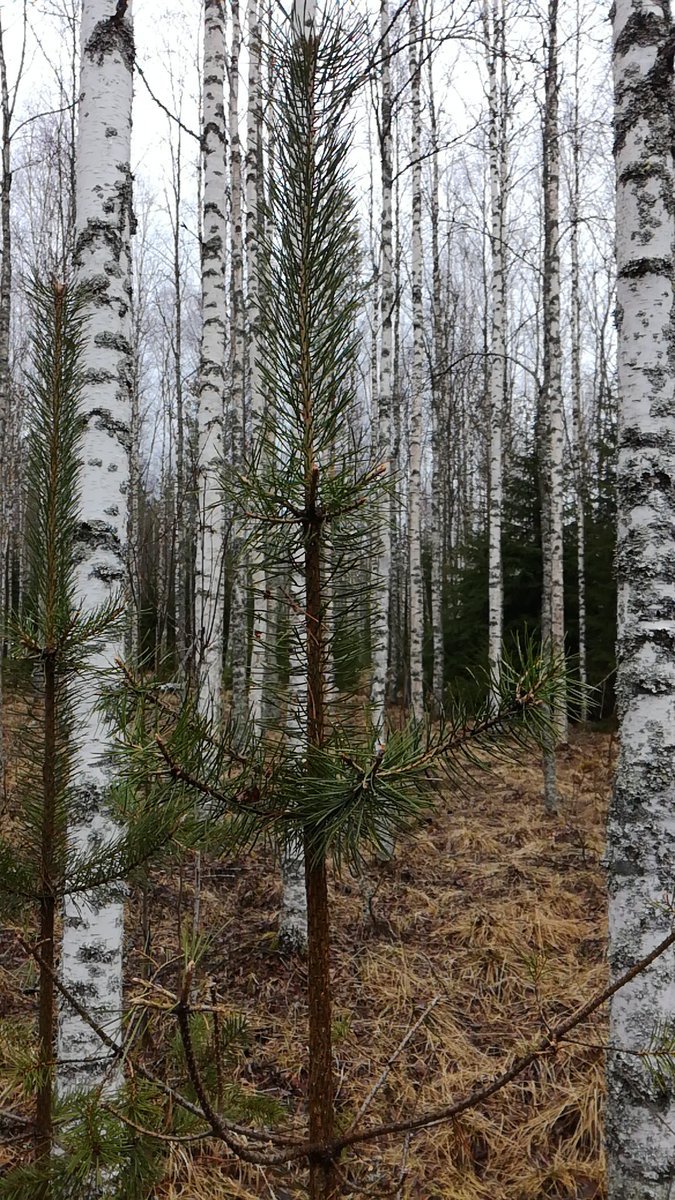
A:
{"points": [[381, 598], [553, 433], [180, 555], [91, 956], [237, 635], [209, 568], [438, 410], [640, 1124], [550, 407], [293, 915], [134, 532], [415, 604], [498, 108], [398, 534], [575, 369], [260, 643]]}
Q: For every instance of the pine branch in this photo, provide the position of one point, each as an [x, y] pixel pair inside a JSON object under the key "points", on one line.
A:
{"points": [[225, 1129]]}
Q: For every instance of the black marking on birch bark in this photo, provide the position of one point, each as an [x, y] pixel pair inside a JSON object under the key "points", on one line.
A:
{"points": [[83, 989], [633, 437], [111, 132], [212, 129], [633, 564], [112, 341], [125, 190], [99, 376], [73, 920], [97, 953], [212, 248], [642, 172], [104, 420], [641, 29], [97, 535], [637, 268], [109, 36], [641, 487], [93, 234]]}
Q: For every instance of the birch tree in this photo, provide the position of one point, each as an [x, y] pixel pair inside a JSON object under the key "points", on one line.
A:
{"points": [[575, 370], [495, 45], [260, 639], [381, 599], [237, 638], [438, 413], [210, 557], [416, 606], [550, 416], [640, 1128], [91, 955]]}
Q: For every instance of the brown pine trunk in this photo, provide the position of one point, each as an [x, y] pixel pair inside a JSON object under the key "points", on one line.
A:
{"points": [[43, 1114], [323, 1183]]}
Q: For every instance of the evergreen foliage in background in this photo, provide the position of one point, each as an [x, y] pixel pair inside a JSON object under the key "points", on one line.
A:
{"points": [[466, 607]]}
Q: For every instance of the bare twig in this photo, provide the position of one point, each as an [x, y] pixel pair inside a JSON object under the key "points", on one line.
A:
{"points": [[172, 116], [548, 1044], [154, 1133], [390, 1062]]}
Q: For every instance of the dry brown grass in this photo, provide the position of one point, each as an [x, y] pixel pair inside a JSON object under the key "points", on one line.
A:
{"points": [[496, 910]]}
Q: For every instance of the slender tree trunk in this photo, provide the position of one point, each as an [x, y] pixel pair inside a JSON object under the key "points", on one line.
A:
{"points": [[210, 558], [91, 958], [550, 416], [237, 638], [293, 915], [577, 416], [382, 597], [134, 533], [397, 670], [416, 605], [640, 1123], [163, 532], [260, 644], [46, 1007], [438, 407], [498, 110], [180, 555]]}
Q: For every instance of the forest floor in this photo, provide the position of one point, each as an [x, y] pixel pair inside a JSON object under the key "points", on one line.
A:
{"points": [[490, 924]]}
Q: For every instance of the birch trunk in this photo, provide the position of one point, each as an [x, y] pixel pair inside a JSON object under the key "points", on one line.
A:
{"points": [[381, 602], [237, 638], [210, 564], [640, 1124], [134, 532], [293, 915], [180, 556], [416, 606], [438, 408], [575, 365], [553, 431], [91, 956], [498, 109], [550, 414], [260, 645], [397, 672]]}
